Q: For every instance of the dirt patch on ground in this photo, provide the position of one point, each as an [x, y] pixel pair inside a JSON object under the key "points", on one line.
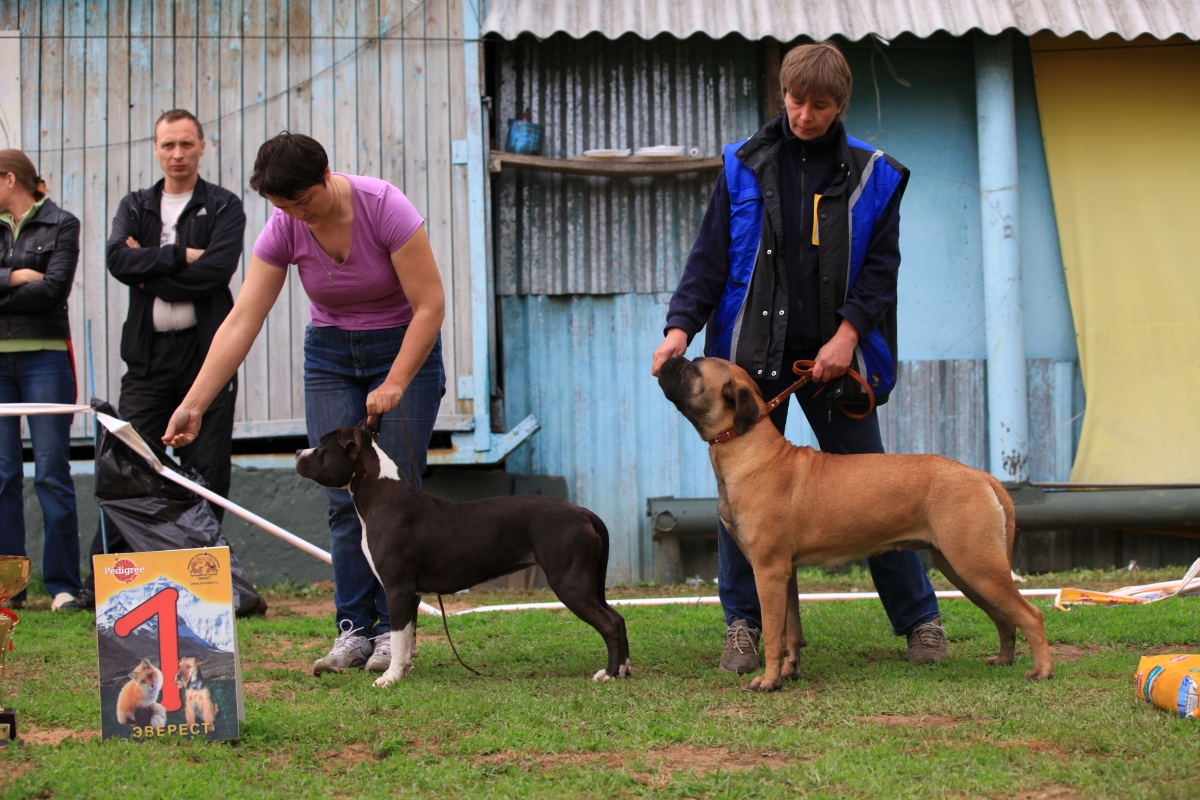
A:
{"points": [[1049, 793], [1074, 652], [651, 767], [350, 754], [921, 721], [14, 770], [301, 667], [55, 736], [1035, 746], [282, 607]]}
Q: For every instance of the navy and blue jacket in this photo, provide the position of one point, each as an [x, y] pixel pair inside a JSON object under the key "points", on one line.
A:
{"points": [[736, 280]]}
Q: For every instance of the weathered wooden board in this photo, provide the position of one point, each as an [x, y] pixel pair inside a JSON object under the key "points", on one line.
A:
{"points": [[355, 75]]}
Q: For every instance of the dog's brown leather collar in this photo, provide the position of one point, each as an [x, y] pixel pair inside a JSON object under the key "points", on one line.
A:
{"points": [[803, 368]]}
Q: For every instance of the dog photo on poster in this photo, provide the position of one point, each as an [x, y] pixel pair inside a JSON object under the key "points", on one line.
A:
{"points": [[167, 645]]}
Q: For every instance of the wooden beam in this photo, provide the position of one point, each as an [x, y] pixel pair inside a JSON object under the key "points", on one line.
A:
{"points": [[624, 168], [772, 58]]}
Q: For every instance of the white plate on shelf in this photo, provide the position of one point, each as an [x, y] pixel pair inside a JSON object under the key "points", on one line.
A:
{"points": [[660, 151], [606, 153]]}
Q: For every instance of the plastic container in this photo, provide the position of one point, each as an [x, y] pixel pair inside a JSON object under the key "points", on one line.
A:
{"points": [[1171, 683], [525, 138]]}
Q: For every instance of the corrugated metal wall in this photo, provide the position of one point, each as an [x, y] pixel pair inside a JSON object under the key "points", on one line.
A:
{"points": [[585, 266], [560, 234], [378, 82]]}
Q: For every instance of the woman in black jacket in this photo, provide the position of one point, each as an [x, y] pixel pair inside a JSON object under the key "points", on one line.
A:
{"points": [[38, 257]]}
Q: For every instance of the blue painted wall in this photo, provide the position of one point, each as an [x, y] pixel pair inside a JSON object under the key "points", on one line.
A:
{"points": [[930, 128]]}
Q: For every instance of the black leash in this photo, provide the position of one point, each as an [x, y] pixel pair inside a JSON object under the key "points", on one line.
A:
{"points": [[446, 628]]}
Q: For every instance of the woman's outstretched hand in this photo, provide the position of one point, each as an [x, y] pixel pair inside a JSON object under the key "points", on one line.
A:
{"points": [[183, 427]]}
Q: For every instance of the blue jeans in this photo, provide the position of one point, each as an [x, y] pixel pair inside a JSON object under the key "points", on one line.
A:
{"points": [[40, 376], [340, 368], [900, 579]]}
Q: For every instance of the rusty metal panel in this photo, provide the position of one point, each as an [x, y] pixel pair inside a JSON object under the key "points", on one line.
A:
{"points": [[558, 234]]}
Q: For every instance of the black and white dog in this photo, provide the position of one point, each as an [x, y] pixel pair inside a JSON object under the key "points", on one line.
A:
{"points": [[420, 544]]}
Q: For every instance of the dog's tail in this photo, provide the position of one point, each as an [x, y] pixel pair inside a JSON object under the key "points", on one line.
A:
{"points": [[1010, 514], [601, 562]]}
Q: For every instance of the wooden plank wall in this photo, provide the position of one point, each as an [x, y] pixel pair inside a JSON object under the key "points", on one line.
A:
{"points": [[379, 82]]}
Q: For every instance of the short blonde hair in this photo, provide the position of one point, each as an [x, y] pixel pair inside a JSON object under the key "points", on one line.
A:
{"points": [[817, 69]]}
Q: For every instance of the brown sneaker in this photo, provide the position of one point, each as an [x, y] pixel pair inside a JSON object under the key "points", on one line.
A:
{"points": [[741, 648], [927, 642]]}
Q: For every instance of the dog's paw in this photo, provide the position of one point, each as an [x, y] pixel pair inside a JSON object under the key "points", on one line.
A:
{"points": [[999, 661], [759, 685], [626, 670], [602, 676], [390, 677], [1036, 674]]}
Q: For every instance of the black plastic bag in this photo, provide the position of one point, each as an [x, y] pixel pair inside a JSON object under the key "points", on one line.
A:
{"points": [[145, 512]]}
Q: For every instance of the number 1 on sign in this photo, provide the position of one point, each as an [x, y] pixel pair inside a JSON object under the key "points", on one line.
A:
{"points": [[161, 605]]}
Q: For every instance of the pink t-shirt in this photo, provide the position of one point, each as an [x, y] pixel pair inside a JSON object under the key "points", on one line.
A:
{"points": [[365, 293]]}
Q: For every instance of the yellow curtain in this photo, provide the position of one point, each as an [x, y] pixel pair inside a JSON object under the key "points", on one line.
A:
{"points": [[1121, 122]]}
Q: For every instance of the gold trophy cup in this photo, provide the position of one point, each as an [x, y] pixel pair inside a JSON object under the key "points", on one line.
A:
{"points": [[14, 576]]}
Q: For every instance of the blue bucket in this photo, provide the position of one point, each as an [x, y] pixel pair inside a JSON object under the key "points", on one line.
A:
{"points": [[524, 138]]}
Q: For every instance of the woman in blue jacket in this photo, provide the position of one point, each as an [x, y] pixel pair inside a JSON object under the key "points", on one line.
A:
{"points": [[39, 251], [797, 258]]}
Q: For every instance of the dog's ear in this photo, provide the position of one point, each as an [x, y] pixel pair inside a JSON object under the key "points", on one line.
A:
{"points": [[348, 441], [747, 410]]}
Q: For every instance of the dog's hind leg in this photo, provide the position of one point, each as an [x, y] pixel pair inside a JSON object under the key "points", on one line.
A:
{"points": [[625, 670], [793, 634], [1004, 626], [989, 578]]}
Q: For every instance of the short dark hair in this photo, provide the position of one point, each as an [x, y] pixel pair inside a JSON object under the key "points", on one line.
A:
{"points": [[289, 164], [817, 69], [176, 114]]}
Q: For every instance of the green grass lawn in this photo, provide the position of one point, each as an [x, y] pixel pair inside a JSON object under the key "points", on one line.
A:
{"points": [[862, 723]]}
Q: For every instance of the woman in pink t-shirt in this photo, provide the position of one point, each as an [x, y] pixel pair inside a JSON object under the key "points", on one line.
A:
{"points": [[372, 349]]}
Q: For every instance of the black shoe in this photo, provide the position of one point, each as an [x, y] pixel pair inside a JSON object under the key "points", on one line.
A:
{"points": [[84, 601]]}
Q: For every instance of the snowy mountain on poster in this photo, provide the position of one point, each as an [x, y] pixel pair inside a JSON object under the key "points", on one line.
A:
{"points": [[206, 624]]}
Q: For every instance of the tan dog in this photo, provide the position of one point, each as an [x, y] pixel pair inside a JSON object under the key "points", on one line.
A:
{"points": [[790, 506], [197, 701]]}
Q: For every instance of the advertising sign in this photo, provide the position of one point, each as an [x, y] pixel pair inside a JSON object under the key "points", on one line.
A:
{"points": [[165, 629]]}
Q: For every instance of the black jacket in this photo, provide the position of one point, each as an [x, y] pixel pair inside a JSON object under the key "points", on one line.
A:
{"points": [[213, 222], [49, 243], [871, 305]]}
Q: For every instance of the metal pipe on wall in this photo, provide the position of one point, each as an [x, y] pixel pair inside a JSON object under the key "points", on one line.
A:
{"points": [[1008, 412]]}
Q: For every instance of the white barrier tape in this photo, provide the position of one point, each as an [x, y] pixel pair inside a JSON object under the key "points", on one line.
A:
{"points": [[32, 409], [125, 432], [711, 600]]}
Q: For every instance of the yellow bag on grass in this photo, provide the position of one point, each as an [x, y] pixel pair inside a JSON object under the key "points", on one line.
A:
{"points": [[1170, 682]]}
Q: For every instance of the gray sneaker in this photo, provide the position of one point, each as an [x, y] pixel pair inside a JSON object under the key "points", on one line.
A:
{"points": [[350, 651], [927, 642], [741, 648], [381, 659]]}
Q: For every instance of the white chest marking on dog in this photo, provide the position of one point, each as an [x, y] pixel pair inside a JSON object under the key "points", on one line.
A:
{"points": [[387, 467], [367, 549], [402, 642]]}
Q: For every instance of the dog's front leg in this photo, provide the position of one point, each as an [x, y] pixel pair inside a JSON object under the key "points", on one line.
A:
{"points": [[793, 636], [402, 610], [772, 580]]}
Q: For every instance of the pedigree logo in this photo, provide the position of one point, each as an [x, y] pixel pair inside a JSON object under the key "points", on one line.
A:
{"points": [[124, 570]]}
